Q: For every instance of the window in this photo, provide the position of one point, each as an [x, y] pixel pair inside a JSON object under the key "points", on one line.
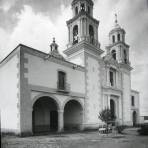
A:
{"points": [[61, 80], [88, 10], [133, 101], [75, 34], [113, 39], [82, 7], [91, 34], [112, 77], [118, 36], [113, 54], [125, 56], [76, 10]]}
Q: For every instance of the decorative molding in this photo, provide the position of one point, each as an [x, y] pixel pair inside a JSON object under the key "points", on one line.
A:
{"points": [[83, 45], [55, 91]]}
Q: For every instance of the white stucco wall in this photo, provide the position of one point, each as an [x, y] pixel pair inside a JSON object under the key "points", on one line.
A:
{"points": [[9, 91], [126, 99], [93, 101], [77, 58], [45, 73]]}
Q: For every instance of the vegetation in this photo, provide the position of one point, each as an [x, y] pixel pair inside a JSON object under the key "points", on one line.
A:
{"points": [[107, 116], [143, 129], [120, 128]]}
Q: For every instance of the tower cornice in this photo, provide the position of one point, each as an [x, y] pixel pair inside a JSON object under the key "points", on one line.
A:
{"points": [[83, 13], [83, 45], [89, 1], [117, 43]]}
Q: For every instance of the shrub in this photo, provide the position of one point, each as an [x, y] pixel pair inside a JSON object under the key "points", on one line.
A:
{"points": [[120, 128], [143, 129]]}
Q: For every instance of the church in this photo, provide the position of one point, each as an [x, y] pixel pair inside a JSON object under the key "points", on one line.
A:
{"points": [[42, 92]]}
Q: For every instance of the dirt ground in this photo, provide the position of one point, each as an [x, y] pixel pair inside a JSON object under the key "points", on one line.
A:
{"points": [[130, 139]]}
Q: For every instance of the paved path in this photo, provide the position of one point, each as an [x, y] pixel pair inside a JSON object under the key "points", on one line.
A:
{"points": [[130, 139]]}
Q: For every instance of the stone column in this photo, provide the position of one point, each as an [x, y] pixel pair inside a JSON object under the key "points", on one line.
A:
{"points": [[60, 120], [108, 101]]}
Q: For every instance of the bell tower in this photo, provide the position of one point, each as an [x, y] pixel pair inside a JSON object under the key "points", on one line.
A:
{"points": [[83, 29], [84, 49], [117, 46]]}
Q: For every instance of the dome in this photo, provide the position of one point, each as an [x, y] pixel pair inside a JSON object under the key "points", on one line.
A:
{"points": [[116, 27]]}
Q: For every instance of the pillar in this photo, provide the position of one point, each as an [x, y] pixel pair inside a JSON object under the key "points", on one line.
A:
{"points": [[108, 101], [60, 120]]}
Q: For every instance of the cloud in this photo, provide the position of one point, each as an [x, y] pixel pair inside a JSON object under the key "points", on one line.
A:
{"points": [[10, 9], [36, 30]]}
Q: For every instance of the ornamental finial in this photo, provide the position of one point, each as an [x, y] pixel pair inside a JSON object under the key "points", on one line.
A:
{"points": [[116, 18], [53, 39]]}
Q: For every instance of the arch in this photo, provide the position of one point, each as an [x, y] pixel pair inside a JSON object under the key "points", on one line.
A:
{"points": [[75, 34], [113, 39], [118, 37], [113, 53], [47, 95], [91, 34], [73, 115], [70, 99], [45, 115], [134, 118], [113, 108]]}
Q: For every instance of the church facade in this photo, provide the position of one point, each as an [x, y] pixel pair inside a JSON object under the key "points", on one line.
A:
{"points": [[43, 92]]}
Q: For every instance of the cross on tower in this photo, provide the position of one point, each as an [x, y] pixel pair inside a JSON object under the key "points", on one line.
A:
{"points": [[116, 18]]}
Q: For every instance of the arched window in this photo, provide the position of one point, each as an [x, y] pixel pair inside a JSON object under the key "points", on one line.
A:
{"points": [[82, 7], [91, 34], [113, 39], [118, 36], [113, 54], [112, 77], [88, 10], [75, 34], [76, 10], [125, 56]]}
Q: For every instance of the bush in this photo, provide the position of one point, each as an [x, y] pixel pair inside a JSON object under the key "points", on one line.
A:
{"points": [[120, 128], [143, 129]]}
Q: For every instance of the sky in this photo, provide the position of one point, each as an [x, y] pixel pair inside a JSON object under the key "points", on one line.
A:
{"points": [[35, 22]]}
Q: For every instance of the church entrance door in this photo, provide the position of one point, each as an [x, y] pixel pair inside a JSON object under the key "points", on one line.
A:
{"points": [[134, 118]]}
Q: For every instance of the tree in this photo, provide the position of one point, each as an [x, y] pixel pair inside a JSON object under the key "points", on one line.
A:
{"points": [[106, 116]]}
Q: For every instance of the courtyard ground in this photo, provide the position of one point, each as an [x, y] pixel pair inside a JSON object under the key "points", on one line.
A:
{"points": [[130, 139]]}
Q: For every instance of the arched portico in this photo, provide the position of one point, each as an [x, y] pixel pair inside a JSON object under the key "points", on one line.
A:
{"points": [[45, 115], [73, 115]]}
